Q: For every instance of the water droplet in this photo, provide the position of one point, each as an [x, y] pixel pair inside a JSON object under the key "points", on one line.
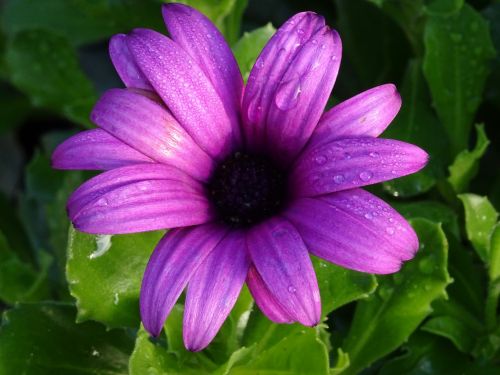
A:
{"points": [[374, 154], [365, 176], [347, 156], [338, 178], [426, 265], [259, 63], [320, 160], [385, 291], [369, 216], [300, 31], [390, 230], [292, 289], [288, 93], [102, 202]]}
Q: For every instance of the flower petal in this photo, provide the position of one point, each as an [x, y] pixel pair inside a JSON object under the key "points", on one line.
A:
{"points": [[355, 230], [186, 91], [148, 127], [282, 260], [138, 198], [95, 149], [213, 290], [365, 115], [174, 260], [268, 71], [352, 162], [265, 299], [206, 45], [125, 64], [302, 93]]}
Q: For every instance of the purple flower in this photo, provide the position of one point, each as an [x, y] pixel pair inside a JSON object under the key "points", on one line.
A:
{"points": [[252, 177]]}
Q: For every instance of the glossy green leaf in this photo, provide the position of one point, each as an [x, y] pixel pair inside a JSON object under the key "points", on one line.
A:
{"points": [[469, 280], [341, 363], [494, 266], [301, 353], [458, 49], [492, 14], [79, 20], [339, 286], [417, 124], [42, 209], [105, 272], [453, 329], [363, 26], [466, 163], [152, 357], [431, 210], [248, 48], [43, 339], [20, 281], [409, 15], [44, 66], [238, 358], [385, 320], [443, 7], [232, 23], [480, 218], [425, 354]]}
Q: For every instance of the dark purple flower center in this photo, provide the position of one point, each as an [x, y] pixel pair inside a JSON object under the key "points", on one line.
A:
{"points": [[246, 189]]}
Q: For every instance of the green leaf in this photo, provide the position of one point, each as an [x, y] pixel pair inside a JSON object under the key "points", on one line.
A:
{"points": [[239, 357], [409, 14], [363, 26], [248, 48], [494, 266], [453, 329], [42, 209], [443, 7], [232, 23], [417, 124], [385, 320], [469, 281], [480, 218], [426, 355], [341, 363], [149, 357], [339, 286], [492, 14], [19, 281], [15, 108], [104, 275], [302, 352], [430, 210], [42, 339], [458, 49], [466, 163], [44, 66], [81, 21]]}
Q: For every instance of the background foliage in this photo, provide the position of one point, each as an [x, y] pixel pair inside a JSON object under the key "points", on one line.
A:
{"points": [[69, 300]]}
